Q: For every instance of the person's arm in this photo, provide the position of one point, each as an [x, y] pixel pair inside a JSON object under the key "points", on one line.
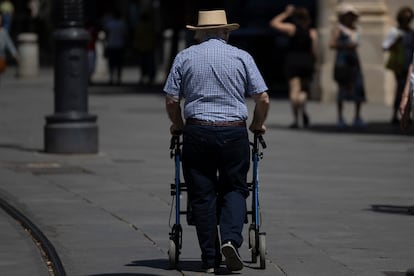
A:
{"points": [[405, 104], [278, 21], [10, 46], [174, 113], [260, 112], [314, 37], [334, 38]]}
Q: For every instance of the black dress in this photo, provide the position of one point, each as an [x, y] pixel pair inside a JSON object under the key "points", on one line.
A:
{"points": [[299, 60]]}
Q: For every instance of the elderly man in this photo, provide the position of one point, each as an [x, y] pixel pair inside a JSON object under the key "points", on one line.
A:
{"points": [[213, 78]]}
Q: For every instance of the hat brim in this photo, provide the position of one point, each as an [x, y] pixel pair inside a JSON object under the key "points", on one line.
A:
{"points": [[230, 27]]}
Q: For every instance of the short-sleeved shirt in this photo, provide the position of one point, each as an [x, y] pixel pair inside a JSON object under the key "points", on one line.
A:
{"points": [[213, 77]]}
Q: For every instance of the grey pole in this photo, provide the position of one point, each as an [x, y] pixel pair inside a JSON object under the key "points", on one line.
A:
{"points": [[71, 129]]}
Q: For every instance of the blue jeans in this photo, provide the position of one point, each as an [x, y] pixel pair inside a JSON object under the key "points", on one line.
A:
{"points": [[216, 161]]}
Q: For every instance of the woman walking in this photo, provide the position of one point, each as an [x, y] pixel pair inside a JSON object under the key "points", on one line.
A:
{"points": [[300, 59]]}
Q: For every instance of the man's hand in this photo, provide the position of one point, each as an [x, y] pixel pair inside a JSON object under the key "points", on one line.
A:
{"points": [[176, 130], [258, 129]]}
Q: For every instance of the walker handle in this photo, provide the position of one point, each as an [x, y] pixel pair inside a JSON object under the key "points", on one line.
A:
{"points": [[259, 137], [175, 140], [262, 141]]}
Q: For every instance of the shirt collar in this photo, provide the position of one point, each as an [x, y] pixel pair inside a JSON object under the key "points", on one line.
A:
{"points": [[215, 38]]}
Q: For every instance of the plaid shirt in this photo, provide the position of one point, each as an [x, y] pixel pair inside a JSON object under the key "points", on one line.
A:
{"points": [[213, 78]]}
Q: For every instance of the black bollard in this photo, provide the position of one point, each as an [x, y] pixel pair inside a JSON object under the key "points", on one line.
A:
{"points": [[70, 129], [410, 272]]}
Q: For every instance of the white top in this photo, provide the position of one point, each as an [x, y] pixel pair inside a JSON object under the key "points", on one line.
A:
{"points": [[391, 37]]}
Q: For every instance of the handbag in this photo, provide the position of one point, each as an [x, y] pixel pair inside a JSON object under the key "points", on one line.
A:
{"points": [[395, 60], [3, 65]]}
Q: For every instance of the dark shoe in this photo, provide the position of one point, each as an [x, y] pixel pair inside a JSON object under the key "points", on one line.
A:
{"points": [[359, 123], [306, 120], [233, 259], [341, 124]]}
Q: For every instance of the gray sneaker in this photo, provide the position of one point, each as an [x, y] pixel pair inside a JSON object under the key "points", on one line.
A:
{"points": [[233, 259]]}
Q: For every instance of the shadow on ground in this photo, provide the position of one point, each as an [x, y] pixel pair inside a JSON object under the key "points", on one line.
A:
{"points": [[393, 209], [124, 274], [19, 147], [394, 273], [183, 265], [155, 263]]}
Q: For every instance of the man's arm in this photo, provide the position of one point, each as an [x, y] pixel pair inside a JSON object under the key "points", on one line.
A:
{"points": [[174, 113], [260, 112]]}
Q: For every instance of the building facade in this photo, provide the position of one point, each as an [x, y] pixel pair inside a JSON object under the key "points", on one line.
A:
{"points": [[376, 17], [266, 46]]}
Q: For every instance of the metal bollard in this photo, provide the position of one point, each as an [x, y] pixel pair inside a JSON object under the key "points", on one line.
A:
{"points": [[29, 55], [71, 129]]}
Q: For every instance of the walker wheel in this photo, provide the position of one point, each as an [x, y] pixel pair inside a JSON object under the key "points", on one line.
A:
{"points": [[253, 244], [262, 250], [173, 255]]}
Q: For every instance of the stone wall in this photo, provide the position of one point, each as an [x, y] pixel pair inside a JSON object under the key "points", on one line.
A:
{"points": [[377, 16]]}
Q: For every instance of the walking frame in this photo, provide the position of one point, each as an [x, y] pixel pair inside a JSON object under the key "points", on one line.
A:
{"points": [[257, 239]]}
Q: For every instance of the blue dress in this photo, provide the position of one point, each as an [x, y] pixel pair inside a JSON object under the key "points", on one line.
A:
{"points": [[347, 71]]}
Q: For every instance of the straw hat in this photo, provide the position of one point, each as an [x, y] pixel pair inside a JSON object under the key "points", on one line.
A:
{"points": [[213, 19], [346, 8]]}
